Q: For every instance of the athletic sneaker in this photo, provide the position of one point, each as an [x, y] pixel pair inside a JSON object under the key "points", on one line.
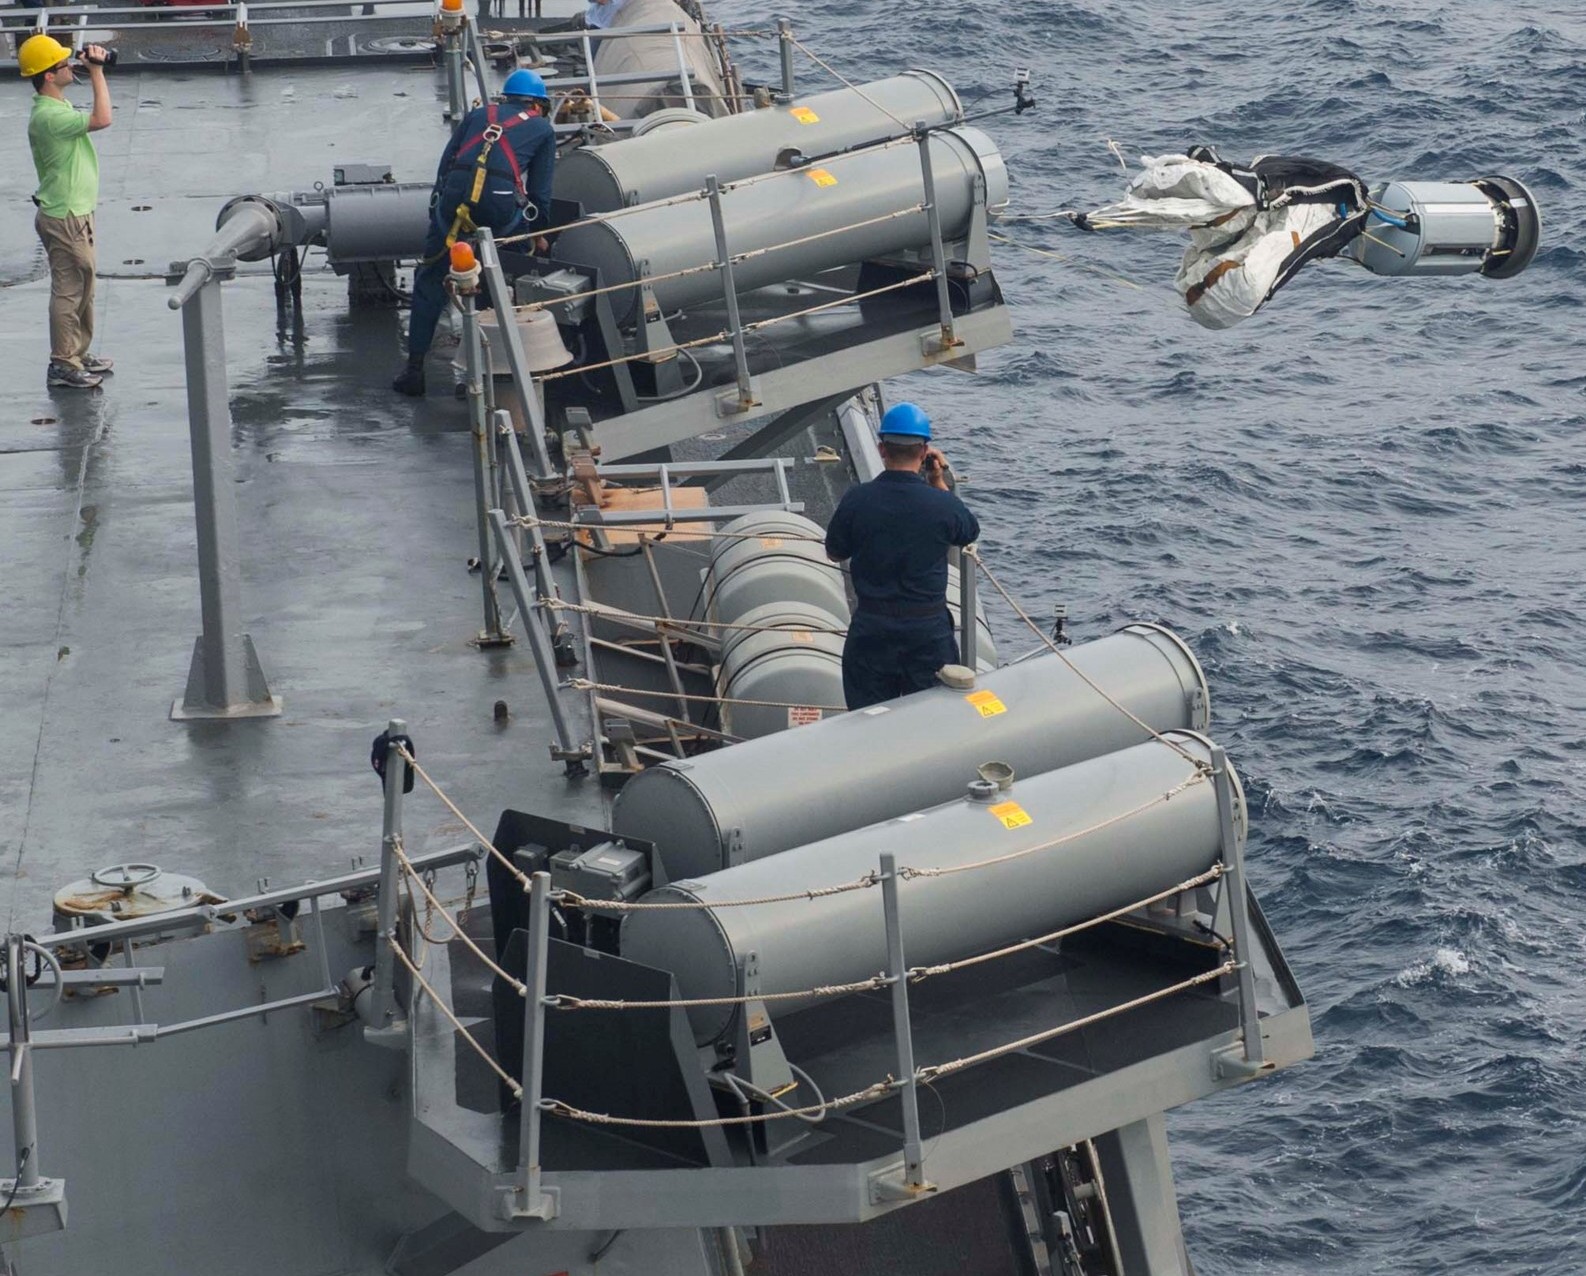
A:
{"points": [[64, 376], [99, 364]]}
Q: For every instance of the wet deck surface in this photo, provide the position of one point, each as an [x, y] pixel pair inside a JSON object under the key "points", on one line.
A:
{"points": [[355, 508]]}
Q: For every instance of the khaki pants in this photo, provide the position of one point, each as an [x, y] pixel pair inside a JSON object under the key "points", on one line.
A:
{"points": [[69, 244]]}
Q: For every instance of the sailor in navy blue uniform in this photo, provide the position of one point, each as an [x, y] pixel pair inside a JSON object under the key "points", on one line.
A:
{"points": [[496, 171], [895, 532]]}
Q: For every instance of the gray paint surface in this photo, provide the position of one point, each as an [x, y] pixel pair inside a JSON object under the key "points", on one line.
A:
{"points": [[638, 171], [857, 768], [1082, 859], [836, 197]]}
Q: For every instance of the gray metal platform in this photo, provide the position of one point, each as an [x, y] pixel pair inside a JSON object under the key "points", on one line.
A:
{"points": [[356, 516]]}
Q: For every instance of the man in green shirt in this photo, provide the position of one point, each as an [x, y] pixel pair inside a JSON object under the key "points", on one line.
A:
{"points": [[68, 170]]}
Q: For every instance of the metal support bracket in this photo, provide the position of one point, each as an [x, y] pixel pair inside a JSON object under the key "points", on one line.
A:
{"points": [[35, 1211], [891, 1183], [1230, 1064], [225, 679], [546, 1208]]}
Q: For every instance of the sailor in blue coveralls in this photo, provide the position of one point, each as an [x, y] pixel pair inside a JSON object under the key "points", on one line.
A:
{"points": [[895, 531], [496, 171]]}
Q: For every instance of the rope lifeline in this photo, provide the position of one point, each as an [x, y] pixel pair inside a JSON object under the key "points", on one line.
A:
{"points": [[673, 622], [1196, 777], [1199, 764], [517, 1090], [572, 899], [584, 684], [458, 932], [918, 974], [525, 520], [523, 878], [934, 1071], [562, 1001], [877, 1091]]}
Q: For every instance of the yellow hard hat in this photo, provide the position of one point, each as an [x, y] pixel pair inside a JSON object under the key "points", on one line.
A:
{"points": [[40, 53]]}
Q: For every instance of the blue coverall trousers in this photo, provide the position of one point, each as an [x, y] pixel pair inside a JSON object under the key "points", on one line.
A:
{"points": [[885, 657], [499, 212]]}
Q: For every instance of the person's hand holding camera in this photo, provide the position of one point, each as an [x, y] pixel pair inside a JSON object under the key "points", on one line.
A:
{"points": [[96, 57]]}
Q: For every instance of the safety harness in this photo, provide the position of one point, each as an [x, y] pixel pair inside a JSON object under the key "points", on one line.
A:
{"points": [[463, 222]]}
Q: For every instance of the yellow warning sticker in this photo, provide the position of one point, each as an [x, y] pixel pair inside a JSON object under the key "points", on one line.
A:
{"points": [[821, 177], [1012, 815], [802, 635], [987, 703], [804, 115], [770, 542]]}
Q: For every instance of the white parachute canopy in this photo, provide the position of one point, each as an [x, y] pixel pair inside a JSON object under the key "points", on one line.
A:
{"points": [[1250, 229]]}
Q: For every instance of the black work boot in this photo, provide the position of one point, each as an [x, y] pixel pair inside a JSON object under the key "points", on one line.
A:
{"points": [[410, 381]]}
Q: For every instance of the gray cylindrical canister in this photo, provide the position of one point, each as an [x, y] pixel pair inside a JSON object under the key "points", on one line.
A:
{"points": [[657, 166], [773, 557], [847, 209], [784, 671], [754, 799], [1489, 225], [1098, 837], [377, 222]]}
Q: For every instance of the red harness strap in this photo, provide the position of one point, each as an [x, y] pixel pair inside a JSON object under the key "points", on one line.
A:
{"points": [[492, 135]]}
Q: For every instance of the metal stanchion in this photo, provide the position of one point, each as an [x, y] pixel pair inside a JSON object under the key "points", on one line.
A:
{"points": [[1233, 854], [484, 499], [968, 607], [740, 354], [382, 994], [563, 748], [784, 35], [933, 216], [518, 363], [533, 1200], [224, 679], [914, 1180]]}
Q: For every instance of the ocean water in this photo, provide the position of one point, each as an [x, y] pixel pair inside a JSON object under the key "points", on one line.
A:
{"points": [[1364, 507]]}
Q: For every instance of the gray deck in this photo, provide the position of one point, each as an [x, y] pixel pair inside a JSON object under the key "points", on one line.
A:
{"points": [[355, 510]]}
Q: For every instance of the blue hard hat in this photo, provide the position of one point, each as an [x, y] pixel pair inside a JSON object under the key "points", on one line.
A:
{"points": [[524, 83], [905, 421]]}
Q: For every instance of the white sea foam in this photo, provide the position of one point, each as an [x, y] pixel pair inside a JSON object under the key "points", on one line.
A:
{"points": [[1449, 963]]}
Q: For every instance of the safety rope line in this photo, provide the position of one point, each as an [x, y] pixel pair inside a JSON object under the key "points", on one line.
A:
{"points": [[557, 1108], [932, 1072], [584, 684], [918, 974], [922, 278], [652, 356], [600, 219], [563, 1001], [924, 1075], [1194, 778], [698, 196], [525, 520], [845, 82], [572, 899], [506, 1077], [725, 334], [523, 878], [1200, 764], [673, 622], [1062, 257], [711, 267], [458, 932]]}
